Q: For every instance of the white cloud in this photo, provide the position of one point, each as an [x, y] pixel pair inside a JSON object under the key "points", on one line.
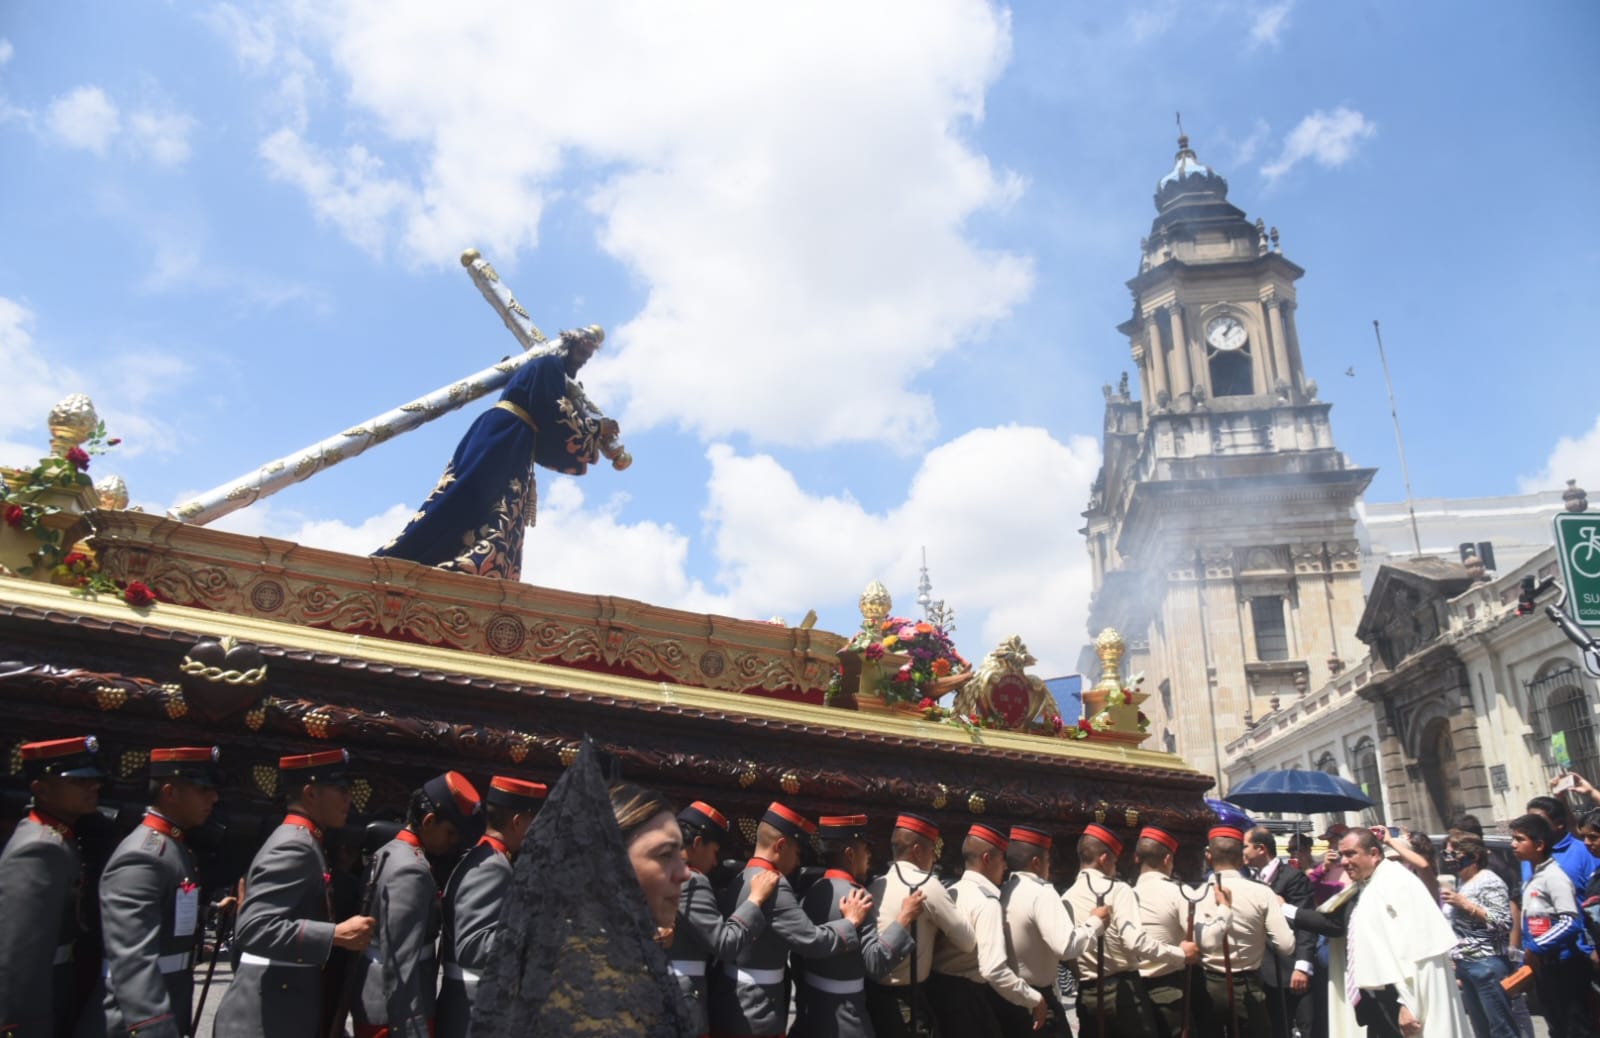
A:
{"points": [[163, 137], [801, 239], [996, 509], [1327, 138], [1267, 27], [127, 390], [1149, 22], [258, 43], [6, 50], [1573, 457], [84, 118], [354, 195], [1245, 151], [32, 387]]}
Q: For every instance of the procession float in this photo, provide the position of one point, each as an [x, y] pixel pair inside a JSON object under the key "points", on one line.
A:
{"points": [[148, 629]]}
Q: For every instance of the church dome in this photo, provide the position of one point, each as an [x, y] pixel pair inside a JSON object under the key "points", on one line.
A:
{"points": [[1189, 181]]}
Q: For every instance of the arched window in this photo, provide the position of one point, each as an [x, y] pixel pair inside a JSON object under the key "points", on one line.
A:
{"points": [[1364, 765], [1327, 764], [1563, 716]]}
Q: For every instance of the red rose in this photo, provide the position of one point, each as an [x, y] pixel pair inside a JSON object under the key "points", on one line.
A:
{"points": [[138, 594], [1085, 726], [902, 676], [79, 458], [15, 515], [873, 651], [74, 559]]}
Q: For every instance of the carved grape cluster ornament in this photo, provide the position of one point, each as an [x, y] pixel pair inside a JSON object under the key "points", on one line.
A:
{"points": [[317, 722]]}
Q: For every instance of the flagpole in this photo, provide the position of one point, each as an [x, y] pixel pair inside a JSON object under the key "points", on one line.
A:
{"points": [[1394, 413]]}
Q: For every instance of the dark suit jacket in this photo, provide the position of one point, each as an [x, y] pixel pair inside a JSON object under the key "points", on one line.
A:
{"points": [[1330, 924], [1292, 885]]}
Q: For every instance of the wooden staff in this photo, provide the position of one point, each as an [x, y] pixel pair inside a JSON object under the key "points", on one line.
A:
{"points": [[1100, 953], [912, 889], [224, 919], [1224, 897], [1188, 971]]}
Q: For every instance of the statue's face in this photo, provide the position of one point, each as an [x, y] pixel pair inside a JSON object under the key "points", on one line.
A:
{"points": [[578, 355]]}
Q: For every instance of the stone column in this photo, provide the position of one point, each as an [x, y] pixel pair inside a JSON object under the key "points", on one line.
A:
{"points": [[1280, 344], [1158, 361], [1260, 365], [1146, 395], [1182, 371], [1292, 333]]}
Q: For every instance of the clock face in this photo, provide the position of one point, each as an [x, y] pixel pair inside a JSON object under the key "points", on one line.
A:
{"points": [[1226, 333]]}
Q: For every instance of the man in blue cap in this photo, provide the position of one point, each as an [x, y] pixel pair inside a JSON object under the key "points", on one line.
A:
{"points": [[41, 875]]}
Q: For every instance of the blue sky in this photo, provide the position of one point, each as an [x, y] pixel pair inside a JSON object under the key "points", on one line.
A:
{"points": [[860, 267]]}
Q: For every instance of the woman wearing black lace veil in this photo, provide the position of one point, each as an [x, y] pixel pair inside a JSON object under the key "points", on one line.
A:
{"points": [[578, 953]]}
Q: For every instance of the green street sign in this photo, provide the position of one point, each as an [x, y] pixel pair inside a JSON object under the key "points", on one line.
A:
{"points": [[1578, 547]]}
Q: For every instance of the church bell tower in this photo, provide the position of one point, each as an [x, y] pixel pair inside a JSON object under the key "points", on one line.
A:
{"points": [[1221, 527]]}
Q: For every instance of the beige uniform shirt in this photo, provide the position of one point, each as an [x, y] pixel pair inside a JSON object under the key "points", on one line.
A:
{"points": [[1165, 916], [979, 903], [940, 918], [1255, 919], [1039, 928], [1127, 945]]}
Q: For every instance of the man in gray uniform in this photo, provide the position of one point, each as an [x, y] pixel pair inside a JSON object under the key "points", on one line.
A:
{"points": [[831, 992], [751, 996], [150, 910], [701, 932], [286, 927], [474, 894], [40, 876], [394, 987]]}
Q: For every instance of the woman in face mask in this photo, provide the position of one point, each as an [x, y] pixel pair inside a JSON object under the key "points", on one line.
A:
{"points": [[1479, 909]]}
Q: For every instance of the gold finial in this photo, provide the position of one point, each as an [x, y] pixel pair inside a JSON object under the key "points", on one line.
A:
{"points": [[113, 491], [875, 604], [470, 256], [72, 421], [595, 332], [1110, 648]]}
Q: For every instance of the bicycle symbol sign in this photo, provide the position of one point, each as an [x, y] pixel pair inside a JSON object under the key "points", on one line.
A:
{"points": [[1578, 547]]}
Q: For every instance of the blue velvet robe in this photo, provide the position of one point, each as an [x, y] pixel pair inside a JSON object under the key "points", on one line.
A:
{"points": [[474, 519]]}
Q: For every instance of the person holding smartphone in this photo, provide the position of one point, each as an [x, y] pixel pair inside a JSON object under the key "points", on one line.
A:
{"points": [[1480, 914]]}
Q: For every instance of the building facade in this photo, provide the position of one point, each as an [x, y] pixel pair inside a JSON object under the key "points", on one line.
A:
{"points": [[1470, 706], [1221, 527]]}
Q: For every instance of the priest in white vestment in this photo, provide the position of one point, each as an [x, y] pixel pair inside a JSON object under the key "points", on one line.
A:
{"points": [[1399, 941]]}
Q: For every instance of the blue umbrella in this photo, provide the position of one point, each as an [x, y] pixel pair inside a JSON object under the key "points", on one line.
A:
{"points": [[1303, 792]]}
